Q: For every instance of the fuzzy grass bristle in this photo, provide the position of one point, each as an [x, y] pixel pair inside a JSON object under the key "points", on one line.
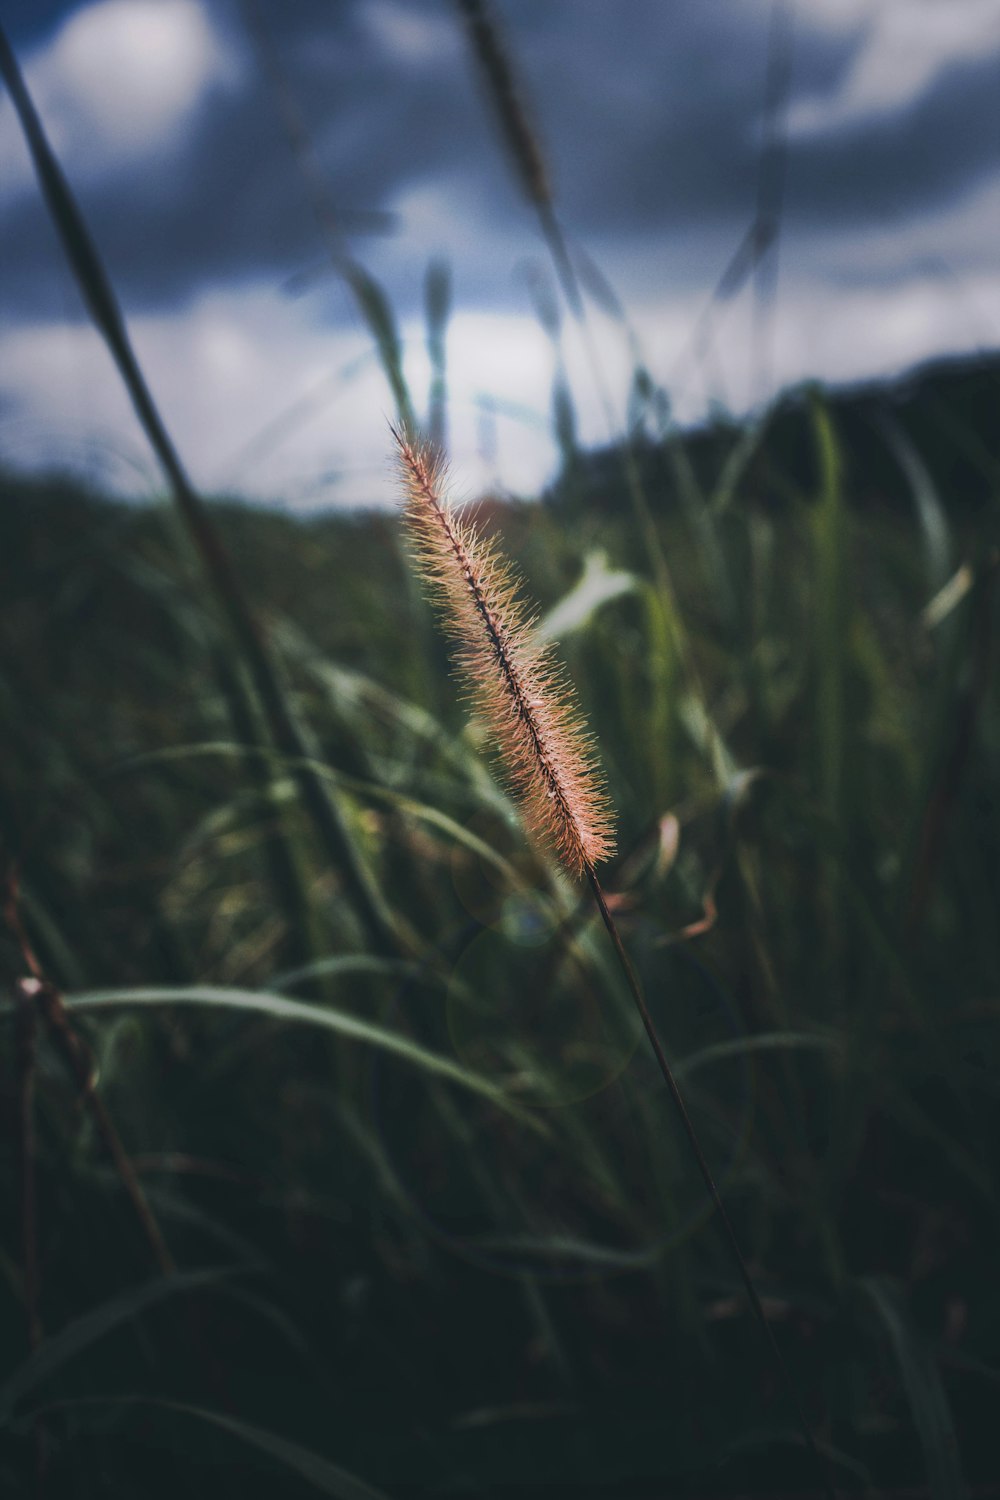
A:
{"points": [[518, 688]]}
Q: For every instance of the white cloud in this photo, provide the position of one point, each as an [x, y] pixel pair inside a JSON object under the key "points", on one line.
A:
{"points": [[907, 43], [231, 363], [869, 331], [117, 83], [261, 396], [219, 369]]}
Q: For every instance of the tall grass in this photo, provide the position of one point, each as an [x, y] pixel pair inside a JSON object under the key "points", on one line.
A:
{"points": [[546, 750], [374, 1069]]}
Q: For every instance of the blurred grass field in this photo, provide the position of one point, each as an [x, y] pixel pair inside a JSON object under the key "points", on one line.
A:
{"points": [[430, 1225], [433, 1285]]}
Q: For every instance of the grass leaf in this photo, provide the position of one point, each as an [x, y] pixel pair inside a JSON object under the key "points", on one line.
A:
{"points": [[316, 1470], [281, 1008], [924, 1388], [92, 1326]]}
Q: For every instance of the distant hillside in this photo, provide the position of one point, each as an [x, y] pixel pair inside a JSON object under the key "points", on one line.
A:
{"points": [[942, 420], [939, 422]]}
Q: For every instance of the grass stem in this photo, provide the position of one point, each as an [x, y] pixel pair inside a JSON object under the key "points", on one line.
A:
{"points": [[77, 1056], [706, 1172], [25, 1062], [99, 296], [37, 996]]}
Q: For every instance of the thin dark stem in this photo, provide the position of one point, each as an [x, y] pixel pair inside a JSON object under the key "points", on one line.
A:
{"points": [[99, 295], [27, 1027], [26, 1021], [944, 791], [709, 1180], [771, 189], [35, 993], [77, 1056]]}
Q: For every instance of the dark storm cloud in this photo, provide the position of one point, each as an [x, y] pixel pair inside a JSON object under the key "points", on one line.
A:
{"points": [[30, 21], [227, 202], [649, 113], [921, 156]]}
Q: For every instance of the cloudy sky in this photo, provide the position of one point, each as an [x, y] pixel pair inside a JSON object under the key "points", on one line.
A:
{"points": [[651, 114]]}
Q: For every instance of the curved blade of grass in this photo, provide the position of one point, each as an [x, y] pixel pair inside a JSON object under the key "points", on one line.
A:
{"points": [[596, 586], [899, 1104], [40, 920], [349, 963], [377, 313], [829, 540], [735, 466], [281, 1008], [308, 1465], [965, 674], [99, 296], [560, 1248], [286, 865], [268, 1312], [760, 1438], [362, 701], [829, 523], [769, 1041], [664, 665], [172, 1205], [372, 789], [701, 520], [437, 819], [948, 597], [923, 1386], [930, 512], [348, 689], [92, 1326]]}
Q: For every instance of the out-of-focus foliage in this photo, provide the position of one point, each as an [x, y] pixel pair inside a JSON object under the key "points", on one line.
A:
{"points": [[434, 1223]]}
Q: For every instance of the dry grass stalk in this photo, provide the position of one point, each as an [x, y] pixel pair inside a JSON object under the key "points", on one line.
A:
{"points": [[521, 140], [550, 756], [517, 687], [37, 997], [98, 292]]}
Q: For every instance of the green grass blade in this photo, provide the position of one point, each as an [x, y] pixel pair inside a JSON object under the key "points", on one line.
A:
{"points": [[286, 866], [369, 789], [339, 964], [701, 519], [318, 1471], [377, 313], [357, 697], [930, 512], [769, 1041], [92, 1326], [597, 585], [829, 542], [437, 309], [324, 1476], [924, 1389], [281, 1008]]}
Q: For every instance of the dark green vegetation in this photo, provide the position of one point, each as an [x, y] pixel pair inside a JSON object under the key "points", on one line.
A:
{"points": [[432, 1221], [333, 1148]]}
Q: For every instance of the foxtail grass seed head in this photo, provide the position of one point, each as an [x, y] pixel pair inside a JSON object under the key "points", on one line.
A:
{"points": [[518, 689]]}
